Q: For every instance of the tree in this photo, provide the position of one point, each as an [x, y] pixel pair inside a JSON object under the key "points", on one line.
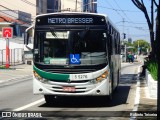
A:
{"points": [[140, 5], [155, 44], [158, 54], [142, 44]]}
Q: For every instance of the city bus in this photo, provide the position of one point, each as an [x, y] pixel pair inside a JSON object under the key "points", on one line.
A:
{"points": [[75, 54]]}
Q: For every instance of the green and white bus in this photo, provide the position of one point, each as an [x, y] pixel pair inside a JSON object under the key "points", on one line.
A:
{"points": [[75, 54]]}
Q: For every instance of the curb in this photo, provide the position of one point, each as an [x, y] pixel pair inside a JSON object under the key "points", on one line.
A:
{"points": [[137, 97]]}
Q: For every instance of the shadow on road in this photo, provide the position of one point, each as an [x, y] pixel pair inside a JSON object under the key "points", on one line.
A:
{"points": [[119, 97]]}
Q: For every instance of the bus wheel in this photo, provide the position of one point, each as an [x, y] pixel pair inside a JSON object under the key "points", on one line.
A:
{"points": [[50, 99], [111, 89], [117, 82], [110, 94]]}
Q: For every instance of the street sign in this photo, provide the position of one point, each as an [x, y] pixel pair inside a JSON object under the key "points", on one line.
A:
{"points": [[7, 32]]}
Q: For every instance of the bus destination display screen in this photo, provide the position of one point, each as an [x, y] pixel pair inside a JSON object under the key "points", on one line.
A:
{"points": [[70, 20]]}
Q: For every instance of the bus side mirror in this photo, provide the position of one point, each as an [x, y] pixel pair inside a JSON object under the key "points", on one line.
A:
{"points": [[26, 38], [28, 35]]}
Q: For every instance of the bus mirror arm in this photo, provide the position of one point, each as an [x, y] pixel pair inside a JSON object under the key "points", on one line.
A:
{"points": [[26, 38], [27, 35], [30, 49]]}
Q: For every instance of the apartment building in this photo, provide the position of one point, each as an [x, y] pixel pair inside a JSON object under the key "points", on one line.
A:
{"points": [[90, 6], [53, 6], [71, 5], [32, 7]]}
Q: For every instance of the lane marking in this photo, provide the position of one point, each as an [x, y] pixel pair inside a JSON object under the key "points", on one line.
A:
{"points": [[137, 97], [29, 105], [17, 78]]}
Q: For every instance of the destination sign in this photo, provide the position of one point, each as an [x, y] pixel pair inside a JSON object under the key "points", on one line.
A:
{"points": [[74, 19], [70, 20]]}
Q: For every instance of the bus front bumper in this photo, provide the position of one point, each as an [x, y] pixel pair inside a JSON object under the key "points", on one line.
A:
{"points": [[71, 89]]}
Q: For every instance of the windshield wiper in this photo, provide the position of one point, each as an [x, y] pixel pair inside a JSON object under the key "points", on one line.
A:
{"points": [[53, 33]]}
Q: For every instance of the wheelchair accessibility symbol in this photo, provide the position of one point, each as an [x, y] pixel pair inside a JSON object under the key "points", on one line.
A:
{"points": [[74, 59]]}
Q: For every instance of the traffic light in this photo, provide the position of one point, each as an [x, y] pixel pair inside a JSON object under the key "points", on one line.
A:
{"points": [[124, 36]]}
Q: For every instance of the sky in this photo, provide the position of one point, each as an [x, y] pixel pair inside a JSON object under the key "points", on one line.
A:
{"points": [[134, 25]]}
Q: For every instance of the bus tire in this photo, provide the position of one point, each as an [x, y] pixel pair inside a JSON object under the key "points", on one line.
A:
{"points": [[110, 96], [117, 82], [50, 99]]}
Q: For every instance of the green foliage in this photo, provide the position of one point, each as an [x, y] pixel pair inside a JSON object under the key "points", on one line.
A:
{"points": [[133, 47], [152, 67], [2, 67], [144, 45]]}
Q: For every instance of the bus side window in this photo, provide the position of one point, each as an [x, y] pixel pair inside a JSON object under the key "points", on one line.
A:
{"points": [[109, 45]]}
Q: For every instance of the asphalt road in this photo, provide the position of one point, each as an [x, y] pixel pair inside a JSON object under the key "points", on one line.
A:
{"points": [[18, 96]]}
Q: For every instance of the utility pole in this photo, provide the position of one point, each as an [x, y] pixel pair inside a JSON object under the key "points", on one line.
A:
{"points": [[138, 47], [123, 24], [76, 6], [125, 47]]}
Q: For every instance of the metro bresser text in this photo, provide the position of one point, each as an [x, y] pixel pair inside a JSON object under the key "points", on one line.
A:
{"points": [[70, 20]]}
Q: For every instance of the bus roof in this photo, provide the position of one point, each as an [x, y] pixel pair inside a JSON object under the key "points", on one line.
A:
{"points": [[81, 13], [85, 13]]}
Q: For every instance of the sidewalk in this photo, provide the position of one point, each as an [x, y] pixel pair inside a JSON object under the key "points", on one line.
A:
{"points": [[146, 103], [15, 72]]}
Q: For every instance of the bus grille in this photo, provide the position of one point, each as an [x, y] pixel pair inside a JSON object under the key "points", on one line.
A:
{"points": [[69, 71], [80, 86]]}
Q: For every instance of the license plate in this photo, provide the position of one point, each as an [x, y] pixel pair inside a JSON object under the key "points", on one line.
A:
{"points": [[69, 89], [80, 77]]}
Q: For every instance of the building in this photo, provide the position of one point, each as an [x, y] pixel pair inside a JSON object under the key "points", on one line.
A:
{"points": [[18, 20], [29, 7], [17, 15], [24, 11], [53, 6], [90, 6], [41, 6], [71, 5], [20, 14], [33, 7], [130, 40]]}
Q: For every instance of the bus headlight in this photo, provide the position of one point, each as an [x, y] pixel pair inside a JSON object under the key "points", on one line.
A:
{"points": [[102, 77], [39, 77]]}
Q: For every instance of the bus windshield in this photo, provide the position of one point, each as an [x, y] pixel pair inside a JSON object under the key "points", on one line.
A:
{"points": [[67, 47]]}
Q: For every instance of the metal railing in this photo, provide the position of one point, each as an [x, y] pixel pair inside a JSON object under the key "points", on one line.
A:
{"points": [[16, 56]]}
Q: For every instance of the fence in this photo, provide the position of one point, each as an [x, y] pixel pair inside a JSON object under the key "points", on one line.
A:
{"points": [[16, 56]]}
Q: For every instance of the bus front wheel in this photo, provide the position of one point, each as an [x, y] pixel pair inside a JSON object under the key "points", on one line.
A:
{"points": [[111, 89]]}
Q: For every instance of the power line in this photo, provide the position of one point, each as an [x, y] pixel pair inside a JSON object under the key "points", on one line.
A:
{"points": [[13, 17], [122, 10], [139, 28], [132, 11], [130, 22], [13, 12], [20, 7], [140, 35], [26, 1], [115, 9]]}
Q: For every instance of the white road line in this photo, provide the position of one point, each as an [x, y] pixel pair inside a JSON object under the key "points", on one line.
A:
{"points": [[29, 105], [17, 78], [137, 98]]}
